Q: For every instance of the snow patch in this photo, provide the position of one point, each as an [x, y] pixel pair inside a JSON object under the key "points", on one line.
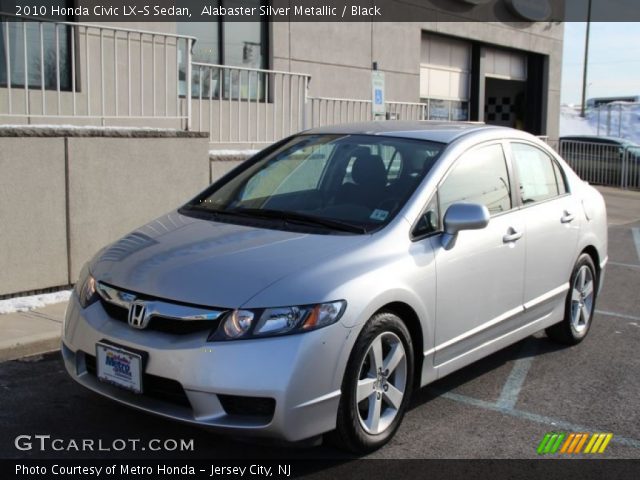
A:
{"points": [[24, 304], [571, 123], [84, 127], [615, 120], [232, 153]]}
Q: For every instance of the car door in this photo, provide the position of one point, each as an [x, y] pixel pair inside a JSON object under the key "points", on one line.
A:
{"points": [[552, 223], [479, 280]]}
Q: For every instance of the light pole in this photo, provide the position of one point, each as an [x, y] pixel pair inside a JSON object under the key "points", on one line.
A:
{"points": [[586, 62]]}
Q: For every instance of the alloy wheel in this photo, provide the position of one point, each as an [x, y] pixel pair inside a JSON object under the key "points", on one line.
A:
{"points": [[582, 299], [382, 383]]}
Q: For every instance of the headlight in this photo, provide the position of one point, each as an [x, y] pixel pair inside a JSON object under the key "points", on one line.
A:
{"points": [[243, 324], [86, 288], [238, 323]]}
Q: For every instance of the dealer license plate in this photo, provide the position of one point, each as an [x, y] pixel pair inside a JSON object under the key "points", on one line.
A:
{"points": [[119, 367]]}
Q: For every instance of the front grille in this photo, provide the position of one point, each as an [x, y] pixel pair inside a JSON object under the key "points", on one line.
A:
{"points": [[159, 388], [248, 406], [161, 324]]}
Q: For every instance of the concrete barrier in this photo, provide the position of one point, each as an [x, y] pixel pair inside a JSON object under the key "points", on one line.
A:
{"points": [[67, 192], [33, 246]]}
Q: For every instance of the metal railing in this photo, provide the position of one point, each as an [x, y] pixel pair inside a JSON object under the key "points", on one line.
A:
{"points": [[408, 110], [94, 72], [248, 105], [603, 164], [327, 111]]}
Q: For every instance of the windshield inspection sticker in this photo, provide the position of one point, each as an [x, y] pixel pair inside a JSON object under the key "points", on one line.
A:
{"points": [[379, 215]]}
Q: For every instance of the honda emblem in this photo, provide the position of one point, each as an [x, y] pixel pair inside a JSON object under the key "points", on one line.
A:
{"points": [[137, 314]]}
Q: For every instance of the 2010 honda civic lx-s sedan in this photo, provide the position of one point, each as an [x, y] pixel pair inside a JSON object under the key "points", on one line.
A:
{"points": [[312, 288]]}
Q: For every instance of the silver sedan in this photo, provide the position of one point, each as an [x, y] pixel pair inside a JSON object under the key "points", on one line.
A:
{"points": [[311, 289]]}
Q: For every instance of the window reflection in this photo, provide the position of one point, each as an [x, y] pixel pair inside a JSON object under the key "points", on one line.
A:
{"points": [[229, 43], [47, 55]]}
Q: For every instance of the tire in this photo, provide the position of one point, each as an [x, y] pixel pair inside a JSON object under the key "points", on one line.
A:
{"points": [[357, 429], [579, 305]]}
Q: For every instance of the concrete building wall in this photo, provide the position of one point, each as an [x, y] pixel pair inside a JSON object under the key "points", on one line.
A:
{"points": [[342, 66]]}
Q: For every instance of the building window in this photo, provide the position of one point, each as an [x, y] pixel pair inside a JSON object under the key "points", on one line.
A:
{"points": [[39, 53], [445, 77], [230, 43]]}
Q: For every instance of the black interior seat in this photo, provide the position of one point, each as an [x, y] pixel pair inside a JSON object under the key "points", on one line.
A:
{"points": [[369, 177]]}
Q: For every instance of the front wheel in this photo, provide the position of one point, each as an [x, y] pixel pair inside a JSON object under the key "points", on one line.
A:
{"points": [[377, 385], [580, 304]]}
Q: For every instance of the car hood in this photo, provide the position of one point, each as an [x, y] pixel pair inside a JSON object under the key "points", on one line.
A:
{"points": [[204, 262]]}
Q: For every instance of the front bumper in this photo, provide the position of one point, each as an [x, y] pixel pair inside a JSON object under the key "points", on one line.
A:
{"points": [[302, 373]]}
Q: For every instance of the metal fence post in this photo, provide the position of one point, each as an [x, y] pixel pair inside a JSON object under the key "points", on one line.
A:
{"points": [[305, 121], [625, 167], [188, 80]]}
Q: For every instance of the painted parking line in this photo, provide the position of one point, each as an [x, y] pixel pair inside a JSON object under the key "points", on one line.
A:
{"points": [[617, 315], [534, 417], [627, 265], [636, 240], [511, 389]]}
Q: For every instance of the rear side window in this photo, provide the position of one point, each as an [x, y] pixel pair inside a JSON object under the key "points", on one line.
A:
{"points": [[537, 174], [479, 176]]}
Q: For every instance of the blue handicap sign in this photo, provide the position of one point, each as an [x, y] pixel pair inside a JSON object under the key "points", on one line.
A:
{"points": [[378, 99]]}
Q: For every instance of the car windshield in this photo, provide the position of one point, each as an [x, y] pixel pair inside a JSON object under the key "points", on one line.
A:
{"points": [[352, 183]]}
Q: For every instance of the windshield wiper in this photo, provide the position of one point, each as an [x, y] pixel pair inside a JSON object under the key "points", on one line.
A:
{"points": [[296, 217]]}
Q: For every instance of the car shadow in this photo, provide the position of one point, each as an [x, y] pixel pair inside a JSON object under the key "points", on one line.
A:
{"points": [[533, 346]]}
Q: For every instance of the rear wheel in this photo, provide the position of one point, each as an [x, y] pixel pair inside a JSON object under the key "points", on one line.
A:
{"points": [[377, 385], [580, 304]]}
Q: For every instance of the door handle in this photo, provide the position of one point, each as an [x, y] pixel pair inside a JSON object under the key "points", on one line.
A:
{"points": [[568, 217], [512, 236]]}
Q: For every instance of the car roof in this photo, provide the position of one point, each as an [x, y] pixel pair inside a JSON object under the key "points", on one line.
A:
{"points": [[434, 131]]}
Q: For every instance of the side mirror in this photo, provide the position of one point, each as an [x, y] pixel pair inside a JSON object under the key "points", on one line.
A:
{"points": [[463, 216]]}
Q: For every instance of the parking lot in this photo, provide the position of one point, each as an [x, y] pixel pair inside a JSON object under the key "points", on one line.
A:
{"points": [[500, 407]]}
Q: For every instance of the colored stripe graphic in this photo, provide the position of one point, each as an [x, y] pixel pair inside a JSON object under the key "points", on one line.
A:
{"points": [[598, 443], [604, 445], [565, 447], [555, 447], [572, 443], [543, 443], [550, 443], [584, 439], [594, 437], [575, 442]]}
